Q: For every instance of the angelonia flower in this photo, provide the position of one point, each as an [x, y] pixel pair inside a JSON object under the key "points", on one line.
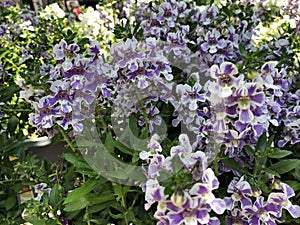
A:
{"points": [[226, 104], [244, 210], [40, 189], [186, 205], [7, 3], [73, 82]]}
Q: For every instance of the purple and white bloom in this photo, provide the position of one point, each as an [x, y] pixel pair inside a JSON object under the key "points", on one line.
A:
{"points": [[61, 96], [153, 118], [226, 79], [154, 193], [72, 119], [204, 191], [218, 111], [212, 44], [234, 141], [241, 192], [190, 95], [186, 209], [188, 158], [262, 213], [209, 14], [40, 189], [282, 199], [244, 100], [154, 147], [7, 3], [125, 54], [167, 13], [44, 114], [63, 50]]}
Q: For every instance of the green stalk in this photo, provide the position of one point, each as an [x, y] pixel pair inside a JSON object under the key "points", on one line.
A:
{"points": [[66, 138]]}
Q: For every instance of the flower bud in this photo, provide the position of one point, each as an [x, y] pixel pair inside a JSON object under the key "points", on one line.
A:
{"points": [[178, 198]]}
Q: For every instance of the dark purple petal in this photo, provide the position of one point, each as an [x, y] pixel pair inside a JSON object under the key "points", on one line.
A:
{"points": [[258, 98], [228, 69], [245, 202], [175, 218]]}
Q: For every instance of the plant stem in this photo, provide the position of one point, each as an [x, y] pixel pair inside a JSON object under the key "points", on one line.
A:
{"points": [[86, 208], [16, 110], [125, 207], [66, 138]]}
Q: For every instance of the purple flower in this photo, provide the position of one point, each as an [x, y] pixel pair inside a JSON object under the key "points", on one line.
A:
{"points": [[262, 213], [244, 101], [190, 95], [154, 147], [204, 191], [125, 54], [212, 44], [44, 114], [241, 191], [61, 96], [226, 80], [282, 200], [40, 189], [63, 50]]}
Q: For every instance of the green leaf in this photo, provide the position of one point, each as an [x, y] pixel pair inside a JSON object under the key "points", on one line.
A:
{"points": [[176, 164], [278, 154], [234, 165], [87, 143], [78, 204], [12, 123], [123, 148], [83, 41], [10, 202], [226, 11], [86, 188], [69, 32], [77, 161], [285, 166], [120, 190], [95, 199], [249, 150], [6, 93], [109, 143], [242, 50], [101, 206], [134, 126], [54, 195], [34, 220], [261, 143], [269, 142]]}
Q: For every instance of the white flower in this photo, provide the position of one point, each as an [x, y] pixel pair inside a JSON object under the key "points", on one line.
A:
{"points": [[53, 11]]}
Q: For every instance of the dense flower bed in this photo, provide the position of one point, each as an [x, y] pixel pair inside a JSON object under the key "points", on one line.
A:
{"points": [[172, 113]]}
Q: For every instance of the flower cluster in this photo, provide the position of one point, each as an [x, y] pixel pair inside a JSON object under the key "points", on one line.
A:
{"points": [[97, 23], [7, 3], [190, 204], [232, 100], [245, 211], [73, 83], [52, 11]]}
